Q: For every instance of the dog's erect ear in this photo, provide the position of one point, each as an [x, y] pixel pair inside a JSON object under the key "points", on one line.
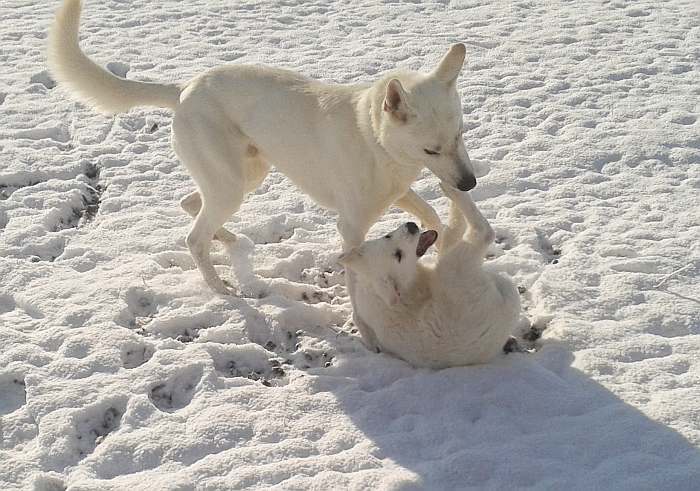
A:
{"points": [[425, 240], [389, 291], [395, 100], [350, 257], [450, 66]]}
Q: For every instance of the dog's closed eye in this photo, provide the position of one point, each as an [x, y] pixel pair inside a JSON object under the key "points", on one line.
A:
{"points": [[431, 152], [398, 255]]}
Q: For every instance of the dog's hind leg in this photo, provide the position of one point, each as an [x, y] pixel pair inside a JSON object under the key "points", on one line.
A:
{"points": [[215, 158], [192, 203], [256, 169], [206, 224]]}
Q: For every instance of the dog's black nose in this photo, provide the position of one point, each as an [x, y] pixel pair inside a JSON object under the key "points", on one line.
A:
{"points": [[466, 183], [412, 228]]}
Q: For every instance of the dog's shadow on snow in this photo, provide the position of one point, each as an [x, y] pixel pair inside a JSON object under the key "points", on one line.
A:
{"points": [[525, 420]]}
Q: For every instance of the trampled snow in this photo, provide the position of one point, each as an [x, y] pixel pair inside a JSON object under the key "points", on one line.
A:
{"points": [[120, 370]]}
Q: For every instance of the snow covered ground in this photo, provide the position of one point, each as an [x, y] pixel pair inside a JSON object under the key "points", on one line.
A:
{"points": [[120, 370]]}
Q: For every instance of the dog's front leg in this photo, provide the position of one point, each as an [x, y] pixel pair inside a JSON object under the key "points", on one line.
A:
{"points": [[418, 207], [353, 236], [369, 338]]}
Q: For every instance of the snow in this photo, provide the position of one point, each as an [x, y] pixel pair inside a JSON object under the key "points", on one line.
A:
{"points": [[119, 369]]}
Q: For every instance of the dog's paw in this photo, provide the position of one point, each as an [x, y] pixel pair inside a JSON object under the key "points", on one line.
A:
{"points": [[512, 346], [224, 287]]}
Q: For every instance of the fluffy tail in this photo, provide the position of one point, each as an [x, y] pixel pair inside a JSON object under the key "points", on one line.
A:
{"points": [[92, 84]]}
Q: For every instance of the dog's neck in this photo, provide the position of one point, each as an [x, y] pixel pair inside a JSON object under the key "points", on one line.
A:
{"points": [[369, 120], [370, 113], [418, 292]]}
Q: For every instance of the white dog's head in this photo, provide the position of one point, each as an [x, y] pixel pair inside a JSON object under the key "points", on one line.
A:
{"points": [[421, 122], [388, 265]]}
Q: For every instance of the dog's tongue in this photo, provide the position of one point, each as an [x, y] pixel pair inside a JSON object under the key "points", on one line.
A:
{"points": [[425, 241]]}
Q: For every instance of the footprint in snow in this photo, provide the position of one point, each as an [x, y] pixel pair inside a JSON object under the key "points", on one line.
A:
{"points": [[14, 394], [649, 266], [134, 355], [323, 278], [96, 424], [9, 303], [174, 259], [550, 253], [44, 79], [58, 133], [118, 68], [141, 308], [49, 481], [684, 119], [276, 368], [177, 392]]}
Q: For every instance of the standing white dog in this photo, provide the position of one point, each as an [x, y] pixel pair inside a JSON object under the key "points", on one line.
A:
{"points": [[453, 314], [355, 148]]}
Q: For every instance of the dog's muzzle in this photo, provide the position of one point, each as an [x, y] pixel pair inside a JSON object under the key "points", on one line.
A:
{"points": [[467, 182]]}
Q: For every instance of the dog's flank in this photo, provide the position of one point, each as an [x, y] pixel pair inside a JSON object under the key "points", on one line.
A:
{"points": [[354, 148], [455, 313]]}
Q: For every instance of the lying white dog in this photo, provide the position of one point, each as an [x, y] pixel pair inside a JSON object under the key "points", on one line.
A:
{"points": [[353, 148], [455, 313]]}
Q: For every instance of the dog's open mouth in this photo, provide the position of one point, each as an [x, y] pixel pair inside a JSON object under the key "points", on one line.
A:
{"points": [[425, 240]]}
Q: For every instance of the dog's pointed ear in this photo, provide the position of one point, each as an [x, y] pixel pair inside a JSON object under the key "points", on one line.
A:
{"points": [[350, 257], [451, 64], [395, 100]]}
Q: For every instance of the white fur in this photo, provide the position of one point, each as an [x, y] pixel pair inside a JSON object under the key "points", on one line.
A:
{"points": [[354, 148], [455, 313]]}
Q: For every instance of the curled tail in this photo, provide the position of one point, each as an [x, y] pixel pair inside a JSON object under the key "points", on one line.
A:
{"points": [[89, 82]]}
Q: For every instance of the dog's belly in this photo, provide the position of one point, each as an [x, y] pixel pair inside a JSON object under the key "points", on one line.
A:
{"points": [[439, 337], [326, 180]]}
